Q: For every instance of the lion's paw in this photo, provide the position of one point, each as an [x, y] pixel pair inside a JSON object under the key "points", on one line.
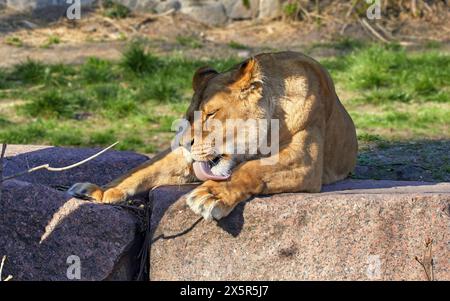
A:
{"points": [[86, 191], [204, 202]]}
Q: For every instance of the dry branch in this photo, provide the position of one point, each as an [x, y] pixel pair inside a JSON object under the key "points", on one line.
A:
{"points": [[384, 31], [414, 7], [2, 155], [427, 260], [9, 277], [347, 15], [305, 12], [49, 168], [153, 17], [372, 30]]}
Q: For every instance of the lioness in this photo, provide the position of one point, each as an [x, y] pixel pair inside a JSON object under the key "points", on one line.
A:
{"points": [[317, 139]]}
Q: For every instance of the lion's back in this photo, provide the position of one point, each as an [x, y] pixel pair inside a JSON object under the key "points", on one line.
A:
{"points": [[303, 81]]}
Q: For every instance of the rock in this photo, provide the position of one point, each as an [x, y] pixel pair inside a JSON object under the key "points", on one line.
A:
{"points": [[211, 12], [236, 10], [28, 24], [139, 5], [40, 4], [269, 9], [165, 6], [112, 164], [207, 12], [40, 228], [354, 230]]}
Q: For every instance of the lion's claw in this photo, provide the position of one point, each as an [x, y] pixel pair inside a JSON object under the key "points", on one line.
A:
{"points": [[86, 191], [204, 202]]}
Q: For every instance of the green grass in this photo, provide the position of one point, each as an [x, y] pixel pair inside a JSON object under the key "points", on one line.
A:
{"points": [[189, 41], [56, 104], [395, 94], [97, 70], [392, 95], [29, 72], [52, 40], [342, 44], [433, 45], [137, 60], [134, 100], [14, 41], [3, 79], [402, 122], [115, 10], [290, 9], [236, 45], [389, 74]]}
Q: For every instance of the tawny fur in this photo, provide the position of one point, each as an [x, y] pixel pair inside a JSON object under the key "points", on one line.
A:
{"points": [[317, 138]]}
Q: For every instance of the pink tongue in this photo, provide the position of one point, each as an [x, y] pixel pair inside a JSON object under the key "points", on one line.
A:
{"points": [[203, 172]]}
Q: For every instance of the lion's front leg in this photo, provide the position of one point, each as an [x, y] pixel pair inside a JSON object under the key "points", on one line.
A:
{"points": [[167, 168], [298, 167], [215, 200]]}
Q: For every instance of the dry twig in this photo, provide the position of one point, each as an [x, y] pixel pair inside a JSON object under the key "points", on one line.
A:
{"points": [[384, 31], [2, 155], [153, 17], [348, 14], [300, 6], [427, 260], [372, 30], [115, 24], [414, 7], [9, 277], [49, 168]]}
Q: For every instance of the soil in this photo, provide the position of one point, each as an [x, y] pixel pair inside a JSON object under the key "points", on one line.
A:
{"points": [[405, 161], [97, 35]]}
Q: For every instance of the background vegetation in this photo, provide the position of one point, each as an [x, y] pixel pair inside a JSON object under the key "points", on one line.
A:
{"points": [[394, 96]]}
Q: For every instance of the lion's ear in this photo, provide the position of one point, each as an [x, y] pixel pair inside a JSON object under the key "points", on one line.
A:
{"points": [[244, 75], [202, 76]]}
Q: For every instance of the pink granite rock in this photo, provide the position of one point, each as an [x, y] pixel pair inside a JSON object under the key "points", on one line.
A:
{"points": [[355, 230], [40, 228], [352, 230]]}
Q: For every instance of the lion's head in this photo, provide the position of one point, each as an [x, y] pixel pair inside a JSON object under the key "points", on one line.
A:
{"points": [[225, 114]]}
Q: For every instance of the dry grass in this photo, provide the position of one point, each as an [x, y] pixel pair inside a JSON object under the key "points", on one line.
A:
{"points": [[427, 21]]}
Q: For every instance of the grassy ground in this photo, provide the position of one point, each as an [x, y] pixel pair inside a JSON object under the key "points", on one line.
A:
{"points": [[395, 95], [134, 100], [395, 98]]}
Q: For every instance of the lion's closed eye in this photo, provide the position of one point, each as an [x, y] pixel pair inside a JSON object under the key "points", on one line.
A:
{"points": [[211, 114]]}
